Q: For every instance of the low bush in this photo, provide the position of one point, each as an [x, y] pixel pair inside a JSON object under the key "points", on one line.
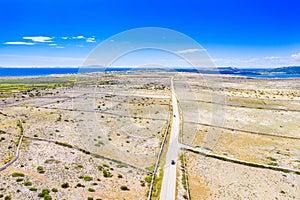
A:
{"points": [[87, 178], [65, 185], [17, 174], [123, 187]]}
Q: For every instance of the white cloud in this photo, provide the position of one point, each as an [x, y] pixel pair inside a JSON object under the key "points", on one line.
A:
{"points": [[56, 46], [64, 38], [189, 51], [78, 37], [296, 56], [19, 43], [39, 38], [90, 39], [271, 58]]}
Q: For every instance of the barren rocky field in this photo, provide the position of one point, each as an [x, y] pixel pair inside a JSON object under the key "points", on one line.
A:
{"points": [[97, 136], [251, 120], [91, 140]]}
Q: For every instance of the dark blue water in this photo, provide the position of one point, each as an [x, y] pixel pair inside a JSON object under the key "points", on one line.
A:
{"points": [[50, 71], [272, 75], [36, 71]]}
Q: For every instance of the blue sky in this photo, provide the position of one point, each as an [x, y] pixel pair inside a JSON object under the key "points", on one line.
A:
{"points": [[236, 33]]}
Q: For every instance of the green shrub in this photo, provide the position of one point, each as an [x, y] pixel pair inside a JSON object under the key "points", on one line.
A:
{"points": [[47, 197], [54, 190], [121, 165], [107, 174], [106, 165], [65, 185], [33, 189], [27, 183], [80, 185], [87, 178], [17, 174], [120, 176], [7, 198], [148, 178], [91, 190], [19, 179], [151, 168], [123, 187], [40, 169], [44, 192]]}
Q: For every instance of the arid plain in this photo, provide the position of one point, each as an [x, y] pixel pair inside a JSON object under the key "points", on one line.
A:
{"points": [[105, 136]]}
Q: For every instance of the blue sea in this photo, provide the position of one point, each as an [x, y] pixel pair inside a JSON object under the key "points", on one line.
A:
{"points": [[47, 71], [271, 75], [50, 71]]}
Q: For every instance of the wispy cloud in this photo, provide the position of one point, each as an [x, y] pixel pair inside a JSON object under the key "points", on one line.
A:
{"points": [[271, 58], [189, 51], [19, 43], [64, 38], [56, 46], [91, 39], [296, 56], [39, 38], [263, 62], [78, 37], [12, 60]]}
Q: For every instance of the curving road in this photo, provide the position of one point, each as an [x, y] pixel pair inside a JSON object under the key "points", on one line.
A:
{"points": [[168, 190]]}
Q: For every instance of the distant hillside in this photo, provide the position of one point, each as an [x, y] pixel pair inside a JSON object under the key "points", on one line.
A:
{"points": [[284, 70], [288, 70]]}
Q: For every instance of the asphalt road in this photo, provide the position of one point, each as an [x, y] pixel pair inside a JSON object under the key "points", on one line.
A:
{"points": [[168, 190]]}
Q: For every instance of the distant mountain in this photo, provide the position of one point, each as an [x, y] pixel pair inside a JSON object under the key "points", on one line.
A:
{"points": [[234, 70], [255, 71], [288, 70]]}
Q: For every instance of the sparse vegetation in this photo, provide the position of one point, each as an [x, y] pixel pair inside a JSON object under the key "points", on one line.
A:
{"points": [[64, 144], [120, 176], [65, 185], [151, 168], [79, 185], [122, 165], [87, 178], [19, 179], [33, 189], [123, 187], [44, 192], [17, 174], [7, 198], [107, 174], [40, 169]]}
